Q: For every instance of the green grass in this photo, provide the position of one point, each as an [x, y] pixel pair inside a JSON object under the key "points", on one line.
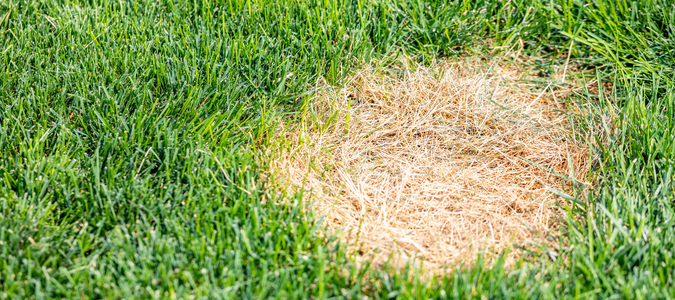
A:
{"points": [[131, 134]]}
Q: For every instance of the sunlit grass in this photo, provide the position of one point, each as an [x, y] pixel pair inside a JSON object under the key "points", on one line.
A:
{"points": [[130, 135]]}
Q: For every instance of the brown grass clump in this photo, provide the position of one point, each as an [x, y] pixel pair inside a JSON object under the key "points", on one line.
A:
{"points": [[434, 161]]}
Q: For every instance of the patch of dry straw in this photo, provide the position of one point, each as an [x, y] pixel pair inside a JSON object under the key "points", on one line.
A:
{"points": [[434, 161]]}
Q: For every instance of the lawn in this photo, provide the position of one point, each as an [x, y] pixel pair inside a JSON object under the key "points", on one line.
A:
{"points": [[133, 137]]}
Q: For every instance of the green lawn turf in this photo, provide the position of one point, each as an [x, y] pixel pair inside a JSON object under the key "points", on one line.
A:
{"points": [[131, 134]]}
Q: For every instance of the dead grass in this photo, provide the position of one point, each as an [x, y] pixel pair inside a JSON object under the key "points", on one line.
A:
{"points": [[434, 161]]}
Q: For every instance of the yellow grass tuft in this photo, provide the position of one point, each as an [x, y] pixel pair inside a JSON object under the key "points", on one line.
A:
{"points": [[434, 161]]}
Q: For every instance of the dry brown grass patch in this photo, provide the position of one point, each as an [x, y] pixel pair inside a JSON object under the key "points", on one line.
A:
{"points": [[434, 161]]}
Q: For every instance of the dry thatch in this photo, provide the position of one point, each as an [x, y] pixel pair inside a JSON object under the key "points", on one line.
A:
{"points": [[434, 161]]}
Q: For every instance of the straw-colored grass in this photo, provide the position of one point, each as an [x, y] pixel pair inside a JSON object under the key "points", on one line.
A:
{"points": [[434, 161]]}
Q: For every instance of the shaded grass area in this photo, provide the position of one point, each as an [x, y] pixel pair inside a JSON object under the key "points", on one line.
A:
{"points": [[130, 133]]}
